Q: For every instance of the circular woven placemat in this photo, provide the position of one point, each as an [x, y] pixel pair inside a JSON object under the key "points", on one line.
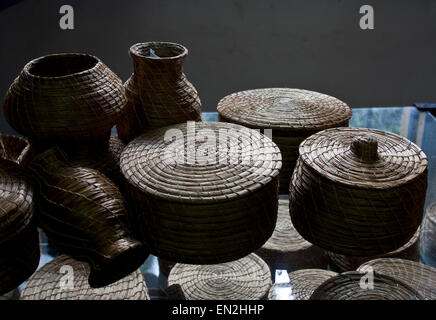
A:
{"points": [[346, 286], [51, 283], [286, 249], [248, 278], [419, 276], [302, 284]]}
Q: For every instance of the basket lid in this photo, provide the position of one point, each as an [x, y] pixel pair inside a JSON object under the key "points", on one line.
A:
{"points": [[168, 162], [284, 109], [365, 158]]}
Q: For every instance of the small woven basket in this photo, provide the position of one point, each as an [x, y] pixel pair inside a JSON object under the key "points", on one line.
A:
{"points": [[67, 279], [292, 114], [358, 192], [428, 236], [419, 276], [301, 285], [287, 250], [347, 286], [244, 279]]}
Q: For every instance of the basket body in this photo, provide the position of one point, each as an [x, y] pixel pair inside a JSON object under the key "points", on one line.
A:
{"points": [[158, 92]]}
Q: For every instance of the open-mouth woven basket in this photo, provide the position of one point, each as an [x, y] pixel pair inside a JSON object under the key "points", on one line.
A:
{"points": [[428, 236], [248, 278], [358, 192], [61, 99], [15, 149], [67, 279], [292, 114], [348, 286], [203, 211], [84, 214], [286, 249], [419, 276], [301, 285]]}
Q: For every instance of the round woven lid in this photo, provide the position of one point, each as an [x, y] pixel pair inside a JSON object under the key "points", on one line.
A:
{"points": [[248, 278], [284, 109], [419, 276], [245, 162], [45, 284], [301, 285], [364, 158], [347, 286]]}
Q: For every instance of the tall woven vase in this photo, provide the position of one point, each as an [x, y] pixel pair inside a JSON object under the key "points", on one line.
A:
{"points": [[158, 92]]}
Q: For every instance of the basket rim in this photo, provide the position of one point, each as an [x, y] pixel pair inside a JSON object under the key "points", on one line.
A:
{"points": [[134, 50]]}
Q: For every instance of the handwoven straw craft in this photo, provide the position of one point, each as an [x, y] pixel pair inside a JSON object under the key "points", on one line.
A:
{"points": [[428, 236], [248, 278], [358, 192], [286, 249], [64, 98], [203, 211], [419, 276], [52, 282], [15, 149], [348, 286], [301, 285], [292, 114]]}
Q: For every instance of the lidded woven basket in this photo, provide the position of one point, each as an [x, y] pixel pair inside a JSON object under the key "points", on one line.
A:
{"points": [[67, 98], [292, 114], [206, 192], [358, 192], [67, 279]]}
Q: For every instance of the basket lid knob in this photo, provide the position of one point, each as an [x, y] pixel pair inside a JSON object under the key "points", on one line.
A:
{"points": [[365, 148]]}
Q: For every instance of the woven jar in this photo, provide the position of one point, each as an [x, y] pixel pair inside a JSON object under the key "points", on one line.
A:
{"points": [[67, 279], [203, 211], [358, 192], [65, 99], [427, 242], [158, 92], [84, 214], [291, 114]]}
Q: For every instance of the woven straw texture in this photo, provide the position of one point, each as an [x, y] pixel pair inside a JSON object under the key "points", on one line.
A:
{"points": [[409, 251], [358, 192], [419, 276], [46, 284], [244, 279], [292, 114], [428, 235], [15, 149], [64, 98], [19, 245], [301, 285], [83, 213], [286, 249], [201, 211], [159, 94], [346, 286]]}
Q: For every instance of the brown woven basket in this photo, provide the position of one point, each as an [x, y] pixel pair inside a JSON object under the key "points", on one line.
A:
{"points": [[83, 213], [159, 94], [64, 98], [301, 285], [15, 149], [358, 192], [53, 282], [244, 279], [286, 249], [346, 286], [428, 236], [292, 114], [419, 276], [203, 212]]}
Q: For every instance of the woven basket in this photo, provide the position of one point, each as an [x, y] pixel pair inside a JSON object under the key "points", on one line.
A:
{"points": [[15, 149], [292, 114], [419, 276], [159, 94], [346, 286], [358, 192], [63, 99], [244, 279], [301, 285], [428, 236], [203, 212], [51, 282], [83, 213], [286, 249]]}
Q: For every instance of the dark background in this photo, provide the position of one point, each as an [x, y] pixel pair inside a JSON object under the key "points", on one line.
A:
{"points": [[235, 44]]}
